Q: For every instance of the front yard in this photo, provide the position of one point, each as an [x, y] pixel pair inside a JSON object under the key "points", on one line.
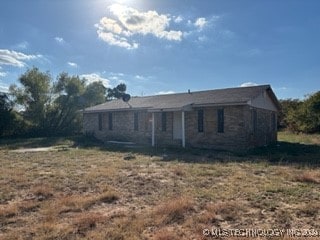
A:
{"points": [[93, 193]]}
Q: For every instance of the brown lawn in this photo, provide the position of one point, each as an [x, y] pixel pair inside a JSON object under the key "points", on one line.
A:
{"points": [[92, 193]]}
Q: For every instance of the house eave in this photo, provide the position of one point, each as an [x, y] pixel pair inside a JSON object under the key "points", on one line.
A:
{"points": [[219, 104], [115, 110], [176, 109]]}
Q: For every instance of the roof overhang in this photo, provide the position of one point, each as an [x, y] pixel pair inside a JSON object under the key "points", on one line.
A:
{"points": [[219, 104], [274, 98], [175, 109], [115, 110]]}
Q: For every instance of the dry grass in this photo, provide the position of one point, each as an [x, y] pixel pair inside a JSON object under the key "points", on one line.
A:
{"points": [[309, 176], [173, 210], [95, 194], [165, 234]]}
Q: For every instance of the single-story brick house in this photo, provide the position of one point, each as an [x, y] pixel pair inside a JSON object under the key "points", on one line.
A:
{"points": [[232, 119]]}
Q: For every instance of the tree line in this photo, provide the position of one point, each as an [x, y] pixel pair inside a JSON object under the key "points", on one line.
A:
{"points": [[301, 115], [42, 106]]}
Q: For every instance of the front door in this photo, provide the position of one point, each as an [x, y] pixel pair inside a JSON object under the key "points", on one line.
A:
{"points": [[177, 125]]}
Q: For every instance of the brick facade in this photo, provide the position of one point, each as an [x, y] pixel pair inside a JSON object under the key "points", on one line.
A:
{"points": [[239, 132]]}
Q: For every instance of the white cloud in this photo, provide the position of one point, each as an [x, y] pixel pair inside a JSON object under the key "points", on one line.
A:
{"points": [[139, 77], [23, 45], [72, 64], [115, 76], [165, 92], [3, 74], [178, 19], [200, 23], [202, 39], [14, 58], [248, 84], [4, 87], [129, 21], [95, 77], [59, 40]]}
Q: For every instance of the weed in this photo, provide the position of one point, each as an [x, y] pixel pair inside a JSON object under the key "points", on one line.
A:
{"points": [[8, 210], [165, 234], [178, 171], [308, 177], [173, 210], [108, 197], [283, 219], [309, 210], [42, 192], [87, 221], [228, 211]]}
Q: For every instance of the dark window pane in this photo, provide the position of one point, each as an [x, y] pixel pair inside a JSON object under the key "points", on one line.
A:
{"points": [[254, 120], [100, 121], [200, 120], [110, 121], [164, 121], [136, 124], [220, 120]]}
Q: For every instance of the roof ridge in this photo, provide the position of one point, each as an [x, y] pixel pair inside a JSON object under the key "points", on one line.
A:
{"points": [[202, 91]]}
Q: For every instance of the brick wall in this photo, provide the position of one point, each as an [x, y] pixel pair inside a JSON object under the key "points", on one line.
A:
{"points": [[232, 138], [122, 126], [238, 134], [265, 132]]}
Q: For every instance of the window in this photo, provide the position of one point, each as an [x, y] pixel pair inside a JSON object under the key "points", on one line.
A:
{"points": [[254, 120], [100, 121], [200, 120], [164, 121], [110, 118], [220, 114], [273, 122], [135, 122]]}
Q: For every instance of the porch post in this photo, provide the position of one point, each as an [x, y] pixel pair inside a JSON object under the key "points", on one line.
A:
{"points": [[183, 130], [153, 126]]}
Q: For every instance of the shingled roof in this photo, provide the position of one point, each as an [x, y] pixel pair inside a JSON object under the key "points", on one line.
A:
{"points": [[185, 101]]}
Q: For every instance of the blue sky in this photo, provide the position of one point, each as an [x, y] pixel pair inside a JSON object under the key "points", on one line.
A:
{"points": [[165, 46]]}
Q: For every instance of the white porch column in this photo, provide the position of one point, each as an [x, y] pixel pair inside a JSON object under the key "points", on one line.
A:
{"points": [[183, 130], [153, 127]]}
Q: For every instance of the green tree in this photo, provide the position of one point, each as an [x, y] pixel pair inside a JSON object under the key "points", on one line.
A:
{"points": [[94, 94], [34, 96], [288, 114], [50, 108], [5, 114], [309, 114], [64, 114], [301, 116], [117, 92], [11, 122]]}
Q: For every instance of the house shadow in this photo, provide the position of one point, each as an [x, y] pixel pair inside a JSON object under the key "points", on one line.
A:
{"points": [[289, 153], [15, 143], [281, 153]]}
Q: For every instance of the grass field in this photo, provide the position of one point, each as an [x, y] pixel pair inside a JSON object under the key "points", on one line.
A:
{"points": [[78, 191]]}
